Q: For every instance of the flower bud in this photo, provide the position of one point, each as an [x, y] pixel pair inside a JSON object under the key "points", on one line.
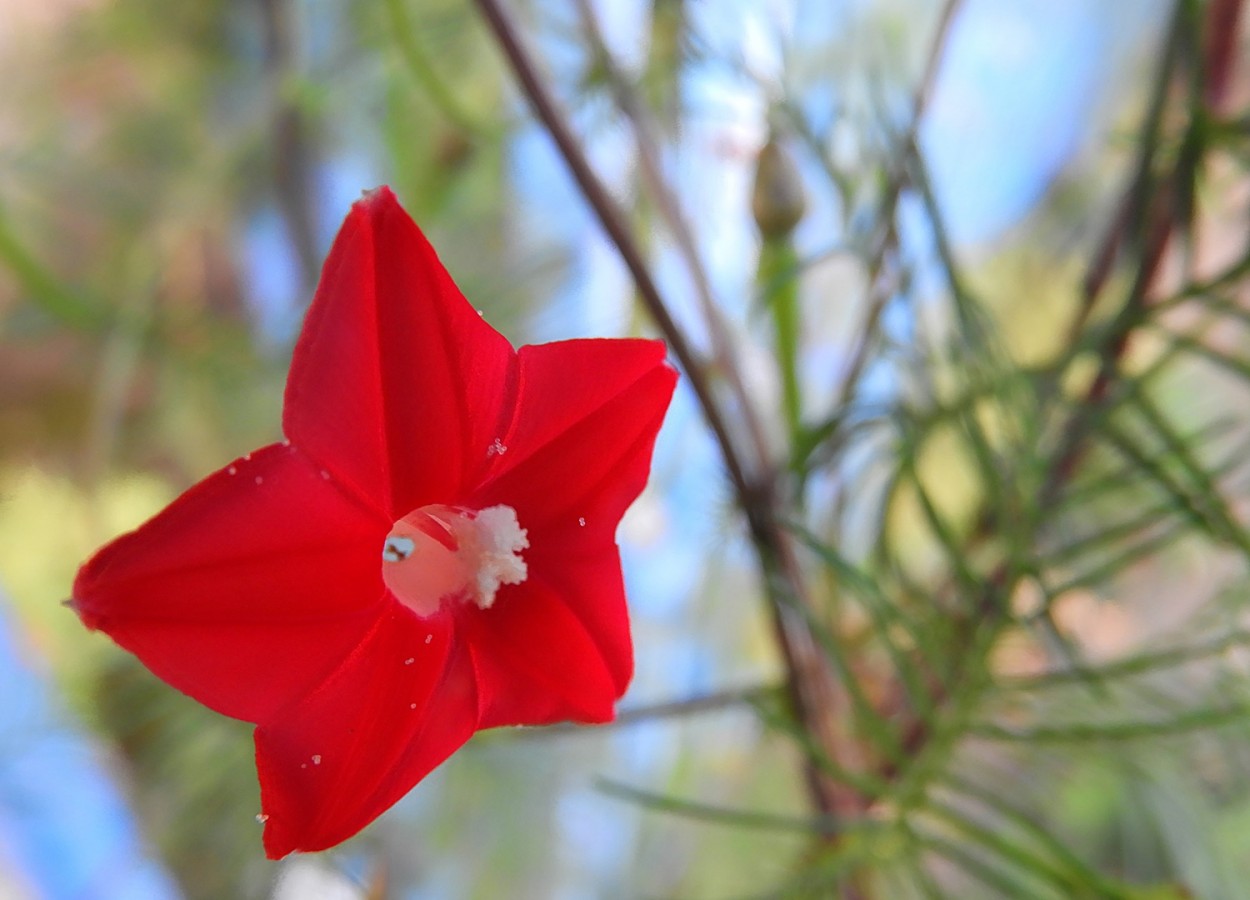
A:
{"points": [[777, 200]]}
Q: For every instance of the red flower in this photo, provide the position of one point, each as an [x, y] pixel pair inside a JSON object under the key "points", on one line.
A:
{"points": [[430, 552]]}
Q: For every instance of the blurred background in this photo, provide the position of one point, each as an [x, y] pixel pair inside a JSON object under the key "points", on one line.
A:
{"points": [[171, 176]]}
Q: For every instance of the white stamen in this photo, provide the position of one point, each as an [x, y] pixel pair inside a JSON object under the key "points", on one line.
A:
{"points": [[500, 540]]}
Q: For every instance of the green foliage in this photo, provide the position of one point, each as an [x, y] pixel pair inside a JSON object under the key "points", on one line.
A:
{"points": [[990, 616]]}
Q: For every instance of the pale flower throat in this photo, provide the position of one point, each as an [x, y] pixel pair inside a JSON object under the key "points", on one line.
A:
{"points": [[446, 552]]}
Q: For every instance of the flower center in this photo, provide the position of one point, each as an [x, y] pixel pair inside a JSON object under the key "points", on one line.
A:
{"points": [[442, 552]]}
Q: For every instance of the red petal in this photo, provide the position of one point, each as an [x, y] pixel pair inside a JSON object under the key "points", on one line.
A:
{"points": [[246, 590], [338, 759], [578, 453], [579, 445], [397, 385], [535, 662], [584, 570]]}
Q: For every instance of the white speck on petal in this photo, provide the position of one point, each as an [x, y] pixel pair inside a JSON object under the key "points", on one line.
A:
{"points": [[481, 312], [303, 765], [581, 520], [230, 470], [262, 818], [410, 660], [412, 706], [286, 442], [247, 457], [260, 480], [325, 474], [316, 759], [428, 638], [498, 448]]}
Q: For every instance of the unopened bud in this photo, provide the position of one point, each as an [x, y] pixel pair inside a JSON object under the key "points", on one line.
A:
{"points": [[777, 200]]}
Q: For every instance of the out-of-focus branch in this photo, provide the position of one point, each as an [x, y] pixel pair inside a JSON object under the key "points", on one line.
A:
{"points": [[671, 709], [665, 198], [71, 307], [292, 142], [813, 693], [1223, 29], [1145, 222], [422, 69], [613, 222], [886, 236], [818, 701], [1147, 212]]}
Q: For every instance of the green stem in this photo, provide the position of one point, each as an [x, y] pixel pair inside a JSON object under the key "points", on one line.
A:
{"points": [[778, 262], [43, 288], [422, 69]]}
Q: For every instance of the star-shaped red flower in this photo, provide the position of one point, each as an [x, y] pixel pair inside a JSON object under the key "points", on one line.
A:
{"points": [[431, 551]]}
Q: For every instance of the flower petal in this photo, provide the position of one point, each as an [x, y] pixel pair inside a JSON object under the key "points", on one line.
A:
{"points": [[336, 760], [577, 454], [582, 566], [579, 445], [397, 385], [246, 590], [535, 663]]}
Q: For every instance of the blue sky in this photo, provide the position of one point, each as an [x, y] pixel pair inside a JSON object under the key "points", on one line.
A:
{"points": [[65, 830]]}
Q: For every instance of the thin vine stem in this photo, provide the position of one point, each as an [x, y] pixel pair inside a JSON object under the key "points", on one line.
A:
{"points": [[888, 235], [668, 709], [651, 170], [815, 698], [613, 221], [419, 64]]}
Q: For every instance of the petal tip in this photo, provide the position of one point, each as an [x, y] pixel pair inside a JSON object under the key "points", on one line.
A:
{"points": [[79, 601], [376, 201], [277, 842], [88, 618]]}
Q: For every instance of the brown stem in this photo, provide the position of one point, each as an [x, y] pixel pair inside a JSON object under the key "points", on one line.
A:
{"points": [[670, 709], [818, 701], [292, 144], [613, 222], [887, 236], [1223, 28], [1133, 210], [809, 684], [649, 166], [1145, 219]]}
